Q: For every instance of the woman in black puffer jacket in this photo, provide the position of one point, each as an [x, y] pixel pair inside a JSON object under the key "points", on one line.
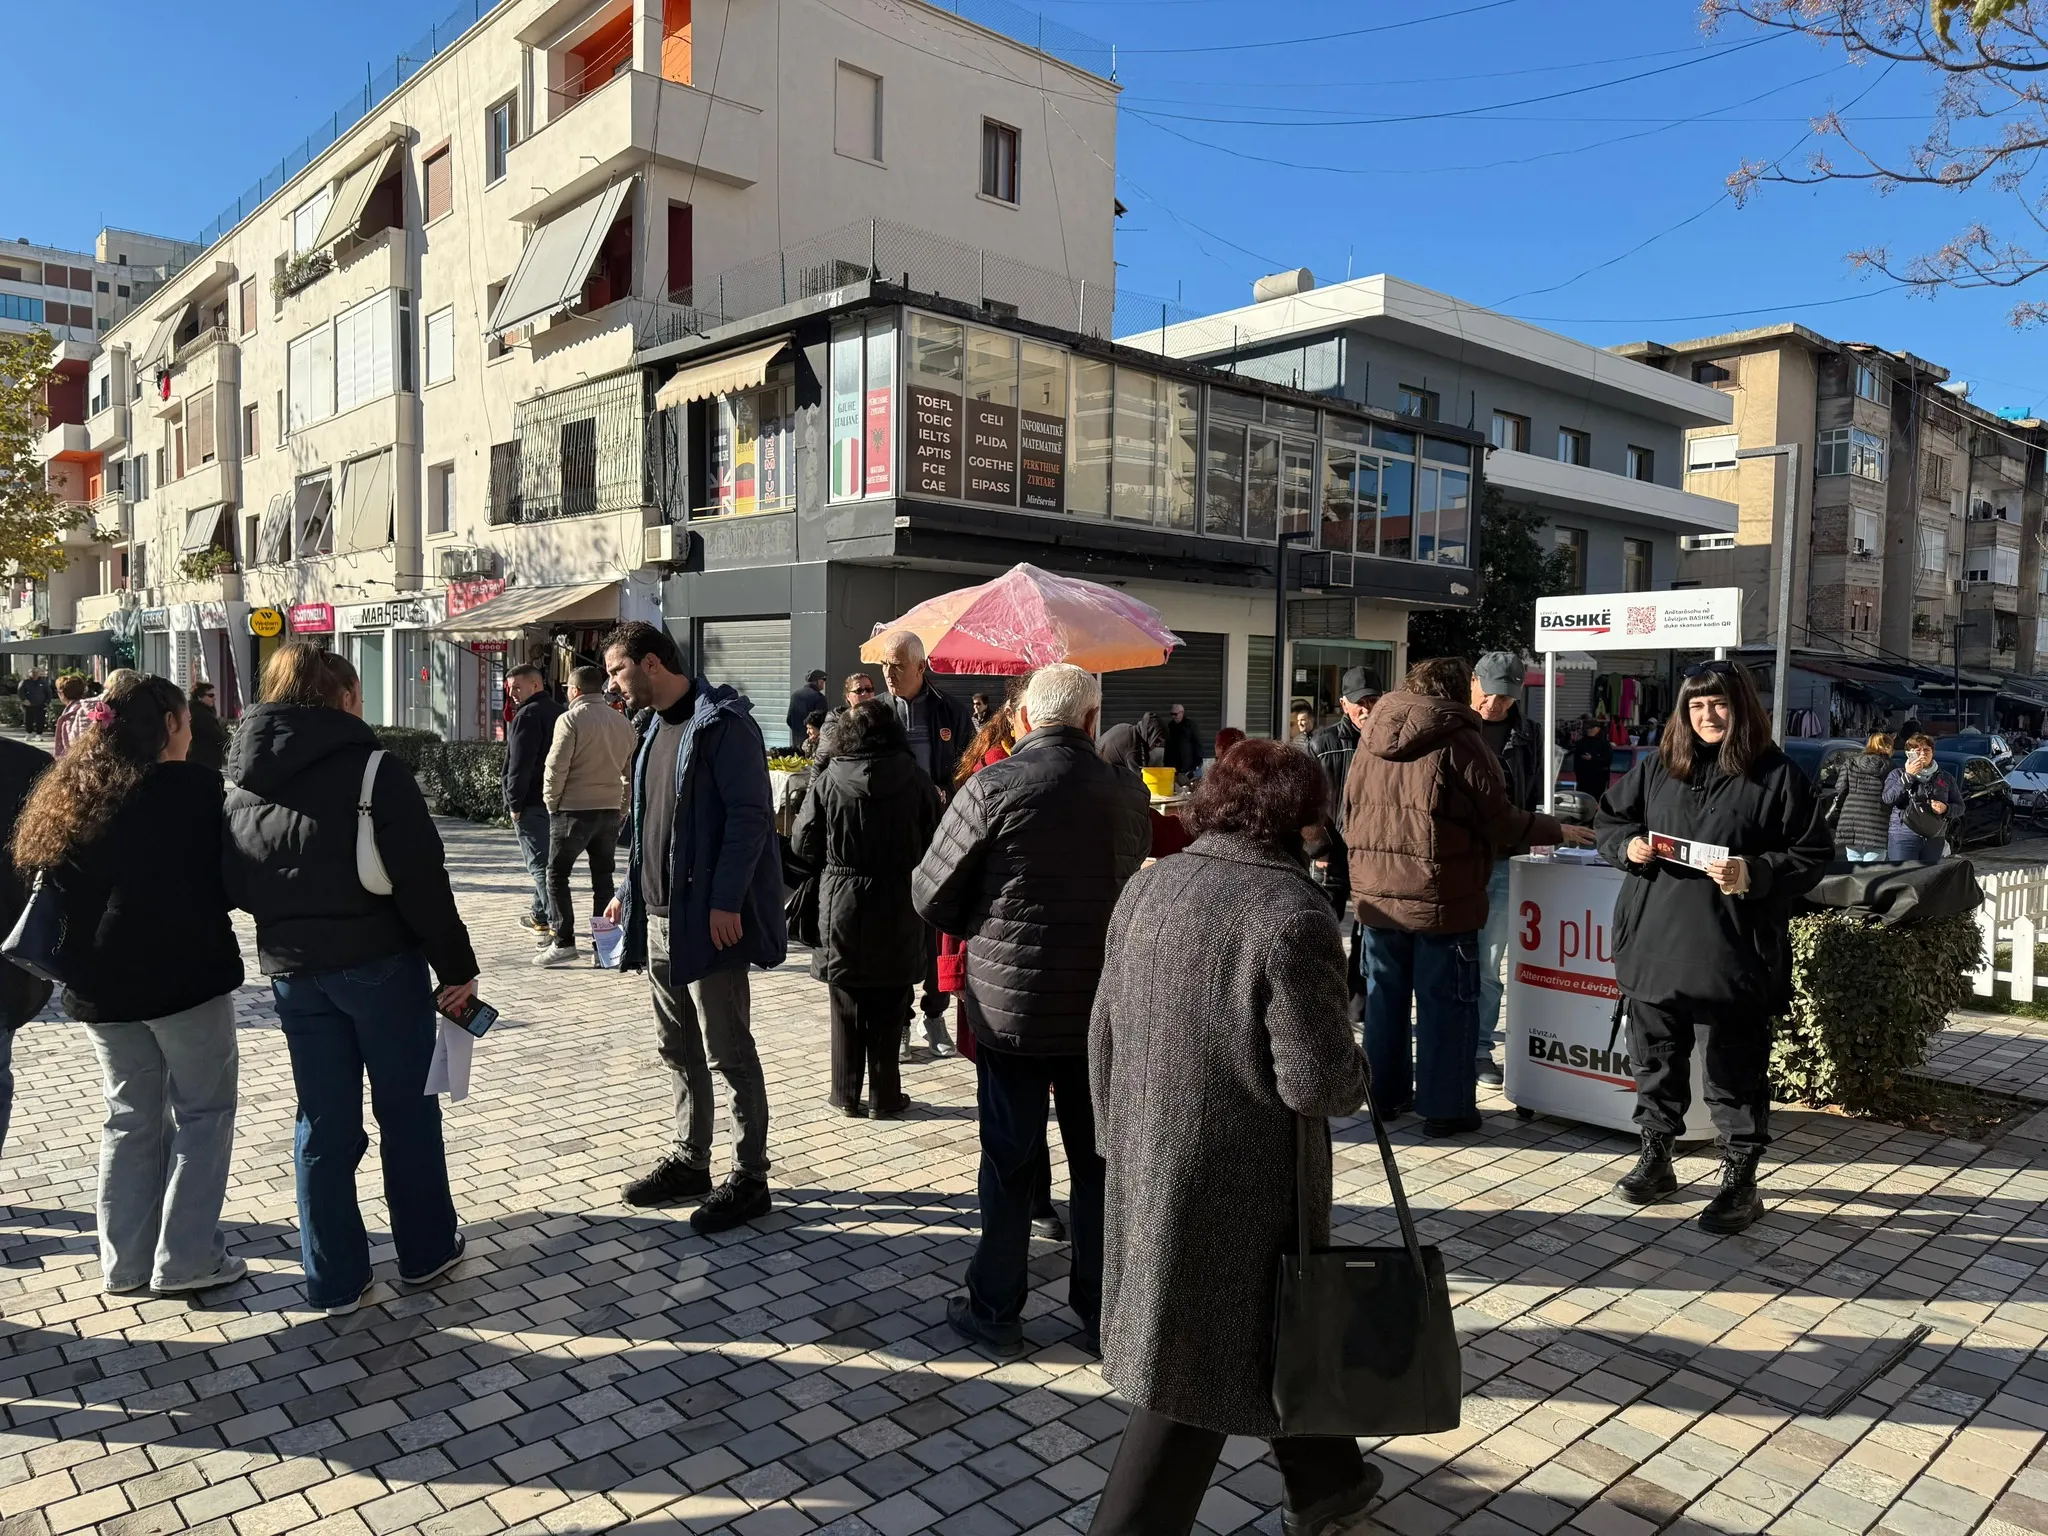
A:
{"points": [[348, 968], [1861, 819], [1705, 945], [866, 822]]}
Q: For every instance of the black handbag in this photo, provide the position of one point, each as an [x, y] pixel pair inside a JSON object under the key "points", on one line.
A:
{"points": [[1922, 821], [38, 933], [800, 912], [1363, 1342]]}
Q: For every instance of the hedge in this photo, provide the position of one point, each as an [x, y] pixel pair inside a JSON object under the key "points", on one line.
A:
{"points": [[1866, 999], [462, 778]]}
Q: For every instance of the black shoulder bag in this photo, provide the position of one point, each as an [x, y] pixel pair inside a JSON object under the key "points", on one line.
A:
{"points": [[1363, 1342]]}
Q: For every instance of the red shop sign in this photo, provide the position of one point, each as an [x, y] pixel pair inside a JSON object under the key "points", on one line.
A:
{"points": [[465, 595], [487, 647], [313, 619]]}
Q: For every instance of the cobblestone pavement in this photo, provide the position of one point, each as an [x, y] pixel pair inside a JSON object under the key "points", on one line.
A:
{"points": [[1999, 1051], [590, 1367]]}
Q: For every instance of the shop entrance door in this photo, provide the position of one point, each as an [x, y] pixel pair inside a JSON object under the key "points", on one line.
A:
{"points": [[1319, 668]]}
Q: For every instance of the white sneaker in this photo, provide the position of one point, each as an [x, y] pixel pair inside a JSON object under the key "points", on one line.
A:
{"points": [[557, 954], [231, 1269]]}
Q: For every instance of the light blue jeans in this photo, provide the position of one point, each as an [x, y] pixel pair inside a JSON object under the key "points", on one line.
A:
{"points": [[1493, 953], [170, 1085]]}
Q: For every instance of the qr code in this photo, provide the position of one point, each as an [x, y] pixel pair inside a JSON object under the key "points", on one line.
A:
{"points": [[1642, 621]]}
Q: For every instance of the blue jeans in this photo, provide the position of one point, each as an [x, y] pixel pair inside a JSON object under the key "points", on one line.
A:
{"points": [[1440, 971], [1012, 1089], [532, 825], [1493, 953], [1909, 847], [378, 1018], [170, 1130]]}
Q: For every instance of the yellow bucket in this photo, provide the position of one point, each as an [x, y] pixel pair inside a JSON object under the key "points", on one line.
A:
{"points": [[1159, 781]]}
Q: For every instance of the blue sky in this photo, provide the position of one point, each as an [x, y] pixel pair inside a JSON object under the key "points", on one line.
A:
{"points": [[1502, 153]]}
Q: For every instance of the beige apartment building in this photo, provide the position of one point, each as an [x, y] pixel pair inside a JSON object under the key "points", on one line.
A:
{"points": [[396, 405], [1918, 541]]}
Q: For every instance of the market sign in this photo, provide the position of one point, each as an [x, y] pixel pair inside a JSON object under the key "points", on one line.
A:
{"points": [[1691, 618], [465, 595], [384, 615], [313, 619], [266, 623]]}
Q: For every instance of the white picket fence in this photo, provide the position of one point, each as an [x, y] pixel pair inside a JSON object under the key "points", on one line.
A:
{"points": [[2015, 912]]}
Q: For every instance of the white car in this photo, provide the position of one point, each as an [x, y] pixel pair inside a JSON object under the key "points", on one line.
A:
{"points": [[2029, 780]]}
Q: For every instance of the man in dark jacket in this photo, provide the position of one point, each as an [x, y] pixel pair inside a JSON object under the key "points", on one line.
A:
{"points": [[527, 739], [701, 902], [939, 727], [1333, 747], [1592, 759], [806, 701], [1184, 750], [1497, 682], [209, 737], [36, 694], [22, 996], [1027, 866]]}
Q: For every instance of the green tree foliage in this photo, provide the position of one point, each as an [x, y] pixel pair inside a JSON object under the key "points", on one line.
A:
{"points": [[1985, 62], [1514, 570], [32, 519]]}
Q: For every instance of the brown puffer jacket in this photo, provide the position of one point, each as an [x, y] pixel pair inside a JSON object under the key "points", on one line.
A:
{"points": [[1426, 814]]}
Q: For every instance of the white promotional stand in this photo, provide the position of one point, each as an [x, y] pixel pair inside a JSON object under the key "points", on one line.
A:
{"points": [[1563, 1056]]}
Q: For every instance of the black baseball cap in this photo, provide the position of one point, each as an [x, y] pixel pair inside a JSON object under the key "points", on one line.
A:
{"points": [[1359, 688]]}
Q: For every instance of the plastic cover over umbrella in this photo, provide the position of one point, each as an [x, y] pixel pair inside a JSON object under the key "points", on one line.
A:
{"points": [[1028, 618]]}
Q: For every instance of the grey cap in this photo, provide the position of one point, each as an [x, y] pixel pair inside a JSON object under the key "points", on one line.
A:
{"points": [[1359, 687], [1501, 673]]}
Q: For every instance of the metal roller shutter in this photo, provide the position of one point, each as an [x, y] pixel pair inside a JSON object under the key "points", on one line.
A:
{"points": [[1193, 675], [753, 656]]}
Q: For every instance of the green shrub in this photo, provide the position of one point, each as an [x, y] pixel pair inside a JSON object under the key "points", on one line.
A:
{"points": [[415, 749], [10, 710], [471, 777], [1865, 1000]]}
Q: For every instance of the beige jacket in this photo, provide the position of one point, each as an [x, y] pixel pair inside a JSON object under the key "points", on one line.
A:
{"points": [[588, 758]]}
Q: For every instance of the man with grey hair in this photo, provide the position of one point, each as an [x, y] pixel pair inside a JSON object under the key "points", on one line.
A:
{"points": [[939, 728], [1027, 865]]}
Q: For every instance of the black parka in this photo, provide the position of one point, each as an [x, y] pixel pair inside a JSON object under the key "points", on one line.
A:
{"points": [[1677, 937], [294, 775], [865, 823], [1027, 865], [1862, 820]]}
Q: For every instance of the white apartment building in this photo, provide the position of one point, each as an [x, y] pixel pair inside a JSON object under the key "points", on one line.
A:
{"points": [[396, 406]]}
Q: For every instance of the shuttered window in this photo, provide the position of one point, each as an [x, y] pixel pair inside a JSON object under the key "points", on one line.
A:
{"points": [[1258, 686], [248, 305], [751, 655], [1193, 676], [363, 352], [363, 520], [309, 366], [438, 174], [440, 346]]}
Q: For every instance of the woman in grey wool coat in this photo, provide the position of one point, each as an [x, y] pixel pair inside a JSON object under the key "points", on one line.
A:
{"points": [[1220, 1018]]}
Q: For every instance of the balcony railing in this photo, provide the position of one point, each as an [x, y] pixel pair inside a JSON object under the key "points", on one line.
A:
{"points": [[109, 518], [212, 336]]}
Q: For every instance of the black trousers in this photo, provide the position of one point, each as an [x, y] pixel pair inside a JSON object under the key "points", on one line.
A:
{"points": [[571, 834], [864, 1037], [32, 717], [1162, 1472], [1660, 1045]]}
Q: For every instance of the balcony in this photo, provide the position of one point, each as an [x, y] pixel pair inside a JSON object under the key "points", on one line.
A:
{"points": [[212, 336], [71, 438], [614, 130], [1577, 490], [91, 612], [208, 485], [107, 431], [366, 268], [109, 518]]}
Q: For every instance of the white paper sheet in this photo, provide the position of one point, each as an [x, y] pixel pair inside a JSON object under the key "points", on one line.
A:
{"points": [[448, 1072]]}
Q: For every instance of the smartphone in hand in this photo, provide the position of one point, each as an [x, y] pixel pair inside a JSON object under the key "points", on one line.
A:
{"points": [[476, 1016]]}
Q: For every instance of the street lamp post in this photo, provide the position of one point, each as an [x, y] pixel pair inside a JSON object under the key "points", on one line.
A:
{"points": [[1781, 682], [1280, 543]]}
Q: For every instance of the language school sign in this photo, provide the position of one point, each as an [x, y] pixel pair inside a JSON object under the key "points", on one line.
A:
{"points": [[1692, 618]]}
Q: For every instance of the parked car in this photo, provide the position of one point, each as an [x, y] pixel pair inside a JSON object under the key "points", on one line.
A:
{"points": [[1977, 743], [2029, 781], [1989, 803]]}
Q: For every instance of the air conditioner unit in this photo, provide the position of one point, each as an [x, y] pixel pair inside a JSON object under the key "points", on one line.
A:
{"points": [[468, 563], [658, 545]]}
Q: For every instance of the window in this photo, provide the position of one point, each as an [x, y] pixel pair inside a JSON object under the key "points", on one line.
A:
{"points": [[498, 346], [313, 516], [363, 351], [307, 219], [252, 416], [248, 306], [682, 243], [440, 364], [858, 114], [863, 378], [1864, 533], [1574, 447], [1714, 452], [1871, 384], [1635, 565], [1934, 552], [753, 452], [1934, 473], [2005, 567], [1412, 400], [1720, 375], [1850, 451], [500, 130], [1642, 463], [1572, 541], [199, 433], [437, 178], [998, 162], [14, 307], [505, 477], [309, 377], [441, 498], [1510, 433]]}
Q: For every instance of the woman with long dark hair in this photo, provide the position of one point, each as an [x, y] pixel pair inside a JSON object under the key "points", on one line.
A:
{"points": [[1717, 832], [866, 822], [130, 836], [348, 966]]}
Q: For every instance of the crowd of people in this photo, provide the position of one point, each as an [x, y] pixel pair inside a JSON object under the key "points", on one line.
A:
{"points": [[1322, 919]]}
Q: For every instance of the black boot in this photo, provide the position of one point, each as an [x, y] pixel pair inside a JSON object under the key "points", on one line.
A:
{"points": [[1651, 1179], [1738, 1204]]}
